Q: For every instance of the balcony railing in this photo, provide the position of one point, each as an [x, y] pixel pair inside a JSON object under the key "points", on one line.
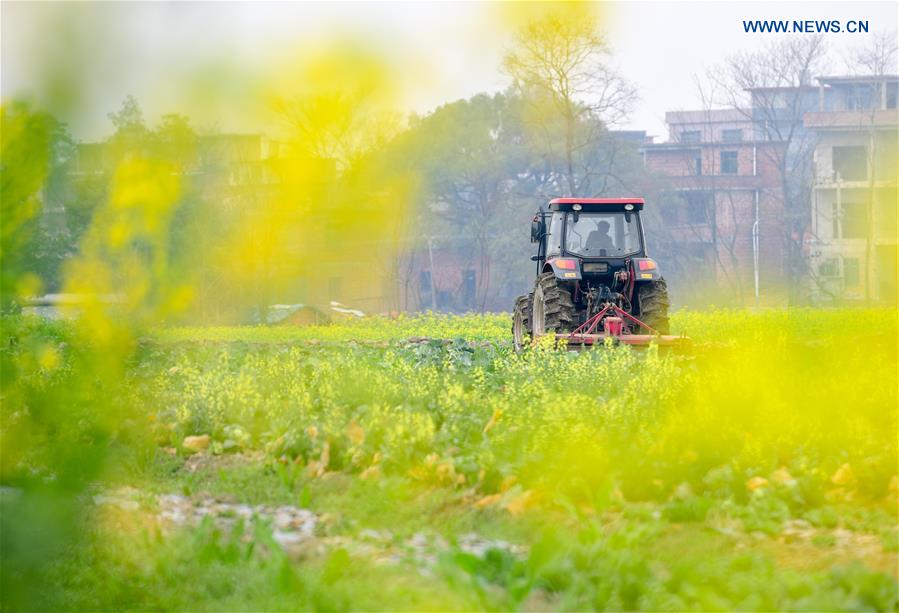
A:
{"points": [[881, 118]]}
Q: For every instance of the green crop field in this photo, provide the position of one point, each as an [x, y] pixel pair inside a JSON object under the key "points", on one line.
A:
{"points": [[346, 467]]}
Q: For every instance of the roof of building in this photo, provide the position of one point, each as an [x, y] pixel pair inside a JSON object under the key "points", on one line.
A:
{"points": [[708, 144], [637, 136], [785, 88], [846, 79], [708, 116]]}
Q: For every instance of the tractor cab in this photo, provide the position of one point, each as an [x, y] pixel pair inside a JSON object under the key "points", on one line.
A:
{"points": [[592, 271], [592, 241], [593, 228]]}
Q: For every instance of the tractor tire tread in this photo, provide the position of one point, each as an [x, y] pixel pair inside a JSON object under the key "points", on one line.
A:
{"points": [[522, 305], [654, 303], [559, 309]]}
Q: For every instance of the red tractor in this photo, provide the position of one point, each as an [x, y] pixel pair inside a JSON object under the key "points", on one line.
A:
{"points": [[594, 280]]}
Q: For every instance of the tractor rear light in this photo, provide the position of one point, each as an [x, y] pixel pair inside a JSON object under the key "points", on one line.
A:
{"points": [[566, 264], [646, 264]]}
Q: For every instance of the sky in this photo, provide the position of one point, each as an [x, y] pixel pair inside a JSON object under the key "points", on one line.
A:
{"points": [[202, 58]]}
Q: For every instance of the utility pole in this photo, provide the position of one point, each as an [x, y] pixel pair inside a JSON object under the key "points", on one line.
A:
{"points": [[755, 247]]}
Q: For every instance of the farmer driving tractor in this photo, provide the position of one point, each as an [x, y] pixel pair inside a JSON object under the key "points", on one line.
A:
{"points": [[600, 238]]}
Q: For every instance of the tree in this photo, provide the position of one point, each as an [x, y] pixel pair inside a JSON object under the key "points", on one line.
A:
{"points": [[131, 136], [877, 58], [560, 67], [773, 87], [129, 118], [175, 141], [333, 187], [483, 178], [469, 154], [35, 150]]}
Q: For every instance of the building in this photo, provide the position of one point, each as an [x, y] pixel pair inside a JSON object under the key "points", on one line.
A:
{"points": [[852, 243], [446, 277], [271, 228], [720, 210]]}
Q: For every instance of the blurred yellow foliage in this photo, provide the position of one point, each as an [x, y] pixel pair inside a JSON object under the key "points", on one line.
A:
{"points": [[494, 419], [843, 476], [756, 483], [355, 433]]}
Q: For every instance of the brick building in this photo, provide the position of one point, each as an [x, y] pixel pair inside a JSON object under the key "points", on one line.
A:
{"points": [[720, 211], [444, 278], [852, 246]]}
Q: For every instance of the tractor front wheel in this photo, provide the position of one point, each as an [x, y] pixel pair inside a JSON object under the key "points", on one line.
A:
{"points": [[552, 310], [521, 321]]}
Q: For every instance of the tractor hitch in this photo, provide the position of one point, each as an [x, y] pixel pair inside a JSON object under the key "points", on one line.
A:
{"points": [[614, 327]]}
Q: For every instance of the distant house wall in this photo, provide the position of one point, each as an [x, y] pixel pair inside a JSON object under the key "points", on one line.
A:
{"points": [[855, 197], [450, 284], [718, 177]]}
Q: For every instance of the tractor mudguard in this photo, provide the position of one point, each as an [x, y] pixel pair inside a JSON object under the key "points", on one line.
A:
{"points": [[567, 269]]}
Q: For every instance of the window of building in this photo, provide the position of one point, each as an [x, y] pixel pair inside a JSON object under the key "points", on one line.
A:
{"points": [[851, 274], [854, 220], [829, 268], [886, 160], [444, 300], [697, 165], [850, 163], [424, 283], [697, 207], [732, 136], [690, 136], [851, 221], [861, 98], [728, 162], [699, 257], [700, 252], [891, 95], [670, 209]]}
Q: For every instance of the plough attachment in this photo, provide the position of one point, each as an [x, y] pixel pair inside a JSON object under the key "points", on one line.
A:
{"points": [[617, 326]]}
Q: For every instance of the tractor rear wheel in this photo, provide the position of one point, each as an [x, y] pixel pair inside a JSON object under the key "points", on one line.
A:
{"points": [[652, 296], [521, 321], [552, 310]]}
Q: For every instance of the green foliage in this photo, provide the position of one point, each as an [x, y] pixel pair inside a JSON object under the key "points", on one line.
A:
{"points": [[225, 572], [634, 480], [30, 149]]}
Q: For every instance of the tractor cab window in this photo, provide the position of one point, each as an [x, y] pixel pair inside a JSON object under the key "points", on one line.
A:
{"points": [[554, 234], [596, 235]]}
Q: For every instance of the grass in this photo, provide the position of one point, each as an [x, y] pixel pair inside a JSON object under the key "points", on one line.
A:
{"points": [[758, 472]]}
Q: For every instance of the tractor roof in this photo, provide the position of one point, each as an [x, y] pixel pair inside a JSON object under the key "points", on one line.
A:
{"points": [[594, 203]]}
